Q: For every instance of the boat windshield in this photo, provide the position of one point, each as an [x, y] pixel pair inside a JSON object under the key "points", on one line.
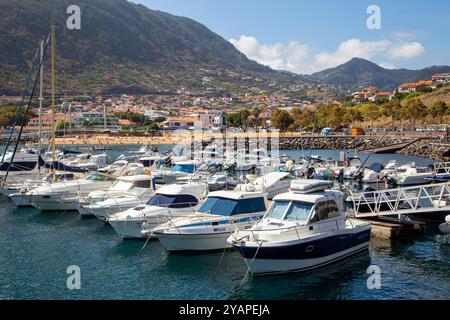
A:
{"points": [[121, 185], [95, 176], [187, 168], [173, 201], [231, 207], [290, 211]]}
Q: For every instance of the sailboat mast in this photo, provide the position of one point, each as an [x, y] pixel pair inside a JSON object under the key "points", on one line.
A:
{"points": [[53, 102], [104, 117], [41, 85]]}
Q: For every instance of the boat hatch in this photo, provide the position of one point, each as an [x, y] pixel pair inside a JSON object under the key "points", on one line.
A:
{"points": [[309, 186]]}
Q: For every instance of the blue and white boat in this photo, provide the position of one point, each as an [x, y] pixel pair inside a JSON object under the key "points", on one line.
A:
{"points": [[181, 170], [221, 214], [304, 229]]}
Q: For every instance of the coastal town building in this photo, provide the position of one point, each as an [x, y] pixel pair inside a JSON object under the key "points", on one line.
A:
{"points": [[46, 122], [371, 94], [415, 86], [441, 78], [173, 123]]}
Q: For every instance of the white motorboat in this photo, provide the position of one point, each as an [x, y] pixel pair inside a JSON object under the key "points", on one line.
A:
{"points": [[208, 229], [116, 166], [220, 181], [21, 197], [64, 196], [121, 187], [409, 175], [372, 176], [272, 183], [87, 162], [304, 229], [182, 169], [105, 209], [167, 203]]}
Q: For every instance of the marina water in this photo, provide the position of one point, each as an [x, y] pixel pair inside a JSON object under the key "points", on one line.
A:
{"points": [[36, 249]]}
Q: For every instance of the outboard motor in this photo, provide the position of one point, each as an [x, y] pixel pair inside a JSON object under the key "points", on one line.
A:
{"points": [[340, 176], [310, 173]]}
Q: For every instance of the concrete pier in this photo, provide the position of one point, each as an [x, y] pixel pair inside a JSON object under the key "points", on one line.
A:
{"points": [[385, 228]]}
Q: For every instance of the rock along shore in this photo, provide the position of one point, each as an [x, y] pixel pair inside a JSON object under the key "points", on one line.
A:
{"points": [[425, 148]]}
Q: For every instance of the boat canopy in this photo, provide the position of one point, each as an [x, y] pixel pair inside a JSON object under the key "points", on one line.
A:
{"points": [[173, 201], [231, 207]]}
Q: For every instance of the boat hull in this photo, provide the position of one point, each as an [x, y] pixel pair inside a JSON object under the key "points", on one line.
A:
{"points": [[300, 255], [194, 242], [128, 229], [45, 203], [20, 199]]}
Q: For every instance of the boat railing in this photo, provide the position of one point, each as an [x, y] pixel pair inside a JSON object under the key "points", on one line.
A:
{"points": [[401, 201], [169, 215], [285, 233]]}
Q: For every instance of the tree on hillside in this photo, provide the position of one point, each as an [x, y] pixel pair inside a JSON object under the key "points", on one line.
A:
{"points": [[392, 109], [244, 116], [298, 117], [414, 109], [371, 112], [281, 119], [8, 115], [233, 119], [439, 110], [352, 115]]}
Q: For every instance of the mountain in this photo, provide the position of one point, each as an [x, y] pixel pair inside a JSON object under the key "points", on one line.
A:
{"points": [[121, 47], [358, 73]]}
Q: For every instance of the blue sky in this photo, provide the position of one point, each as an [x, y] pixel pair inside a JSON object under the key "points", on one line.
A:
{"points": [[307, 36]]}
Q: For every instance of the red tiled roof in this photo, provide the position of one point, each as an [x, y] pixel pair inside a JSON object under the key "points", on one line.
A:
{"points": [[407, 85]]}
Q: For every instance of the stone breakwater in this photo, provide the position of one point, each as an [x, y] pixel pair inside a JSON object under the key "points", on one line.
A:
{"points": [[422, 148]]}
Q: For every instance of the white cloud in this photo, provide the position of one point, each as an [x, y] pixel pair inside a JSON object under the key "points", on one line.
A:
{"points": [[387, 65], [407, 50], [301, 58]]}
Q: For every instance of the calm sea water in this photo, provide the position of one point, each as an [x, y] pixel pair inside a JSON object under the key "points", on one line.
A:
{"points": [[36, 249]]}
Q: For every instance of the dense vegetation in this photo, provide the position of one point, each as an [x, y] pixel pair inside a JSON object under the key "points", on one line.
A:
{"points": [[408, 113], [8, 115], [142, 122]]}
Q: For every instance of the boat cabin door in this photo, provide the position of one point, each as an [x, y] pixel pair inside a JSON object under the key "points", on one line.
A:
{"points": [[327, 216]]}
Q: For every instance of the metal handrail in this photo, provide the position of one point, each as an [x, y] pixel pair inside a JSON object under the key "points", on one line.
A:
{"points": [[393, 198]]}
